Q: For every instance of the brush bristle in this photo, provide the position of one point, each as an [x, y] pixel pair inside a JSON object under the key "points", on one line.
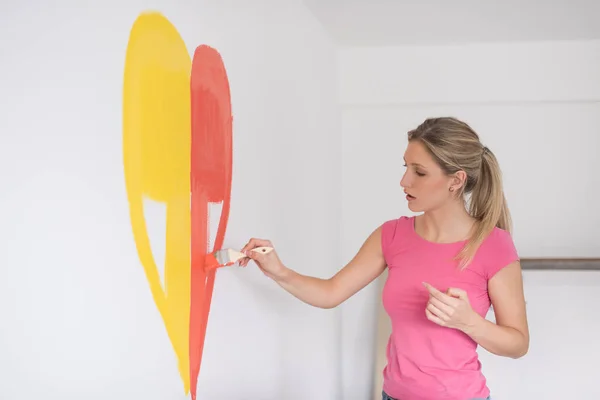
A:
{"points": [[228, 256], [222, 256]]}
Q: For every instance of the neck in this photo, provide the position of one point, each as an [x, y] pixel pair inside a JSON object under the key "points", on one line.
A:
{"points": [[451, 223]]}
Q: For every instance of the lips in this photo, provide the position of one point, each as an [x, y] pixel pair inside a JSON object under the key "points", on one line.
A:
{"points": [[409, 197]]}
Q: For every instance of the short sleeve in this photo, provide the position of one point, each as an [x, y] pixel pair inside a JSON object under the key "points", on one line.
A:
{"points": [[388, 233], [501, 252]]}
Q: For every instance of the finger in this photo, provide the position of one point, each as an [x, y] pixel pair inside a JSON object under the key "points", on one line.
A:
{"points": [[248, 246], [443, 307], [243, 261], [437, 312], [431, 289], [455, 292], [256, 255], [438, 295], [433, 318]]}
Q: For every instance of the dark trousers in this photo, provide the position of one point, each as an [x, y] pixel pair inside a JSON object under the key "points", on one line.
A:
{"points": [[384, 396]]}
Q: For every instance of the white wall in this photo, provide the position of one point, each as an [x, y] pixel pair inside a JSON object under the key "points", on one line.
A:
{"points": [[537, 106], [65, 235]]}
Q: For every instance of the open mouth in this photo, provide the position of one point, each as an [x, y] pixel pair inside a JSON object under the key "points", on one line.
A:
{"points": [[409, 197]]}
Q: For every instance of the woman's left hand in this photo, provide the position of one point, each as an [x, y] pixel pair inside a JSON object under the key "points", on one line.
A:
{"points": [[451, 309]]}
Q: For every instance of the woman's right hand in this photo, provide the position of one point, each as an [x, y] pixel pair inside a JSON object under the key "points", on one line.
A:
{"points": [[269, 263]]}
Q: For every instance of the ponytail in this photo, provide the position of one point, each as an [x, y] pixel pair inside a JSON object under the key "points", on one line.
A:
{"points": [[487, 205]]}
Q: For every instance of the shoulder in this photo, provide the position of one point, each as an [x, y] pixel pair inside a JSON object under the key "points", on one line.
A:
{"points": [[497, 251], [499, 240], [394, 228]]}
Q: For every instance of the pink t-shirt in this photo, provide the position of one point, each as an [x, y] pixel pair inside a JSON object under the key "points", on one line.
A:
{"points": [[426, 361]]}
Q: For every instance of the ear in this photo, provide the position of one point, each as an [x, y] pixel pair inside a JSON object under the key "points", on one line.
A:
{"points": [[458, 181]]}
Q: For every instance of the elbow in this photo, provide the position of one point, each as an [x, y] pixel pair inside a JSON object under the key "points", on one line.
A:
{"points": [[331, 299], [328, 304], [522, 349], [522, 352], [519, 354]]}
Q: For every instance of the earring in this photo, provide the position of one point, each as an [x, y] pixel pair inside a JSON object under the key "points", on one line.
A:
{"points": [[452, 189]]}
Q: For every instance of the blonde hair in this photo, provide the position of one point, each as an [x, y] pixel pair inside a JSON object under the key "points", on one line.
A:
{"points": [[455, 146]]}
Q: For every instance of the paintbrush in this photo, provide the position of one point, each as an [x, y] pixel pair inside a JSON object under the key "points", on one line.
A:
{"points": [[227, 257]]}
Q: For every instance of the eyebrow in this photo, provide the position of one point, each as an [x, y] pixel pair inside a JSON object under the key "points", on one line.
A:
{"points": [[415, 164]]}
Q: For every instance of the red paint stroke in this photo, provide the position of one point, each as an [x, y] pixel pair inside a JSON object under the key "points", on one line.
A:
{"points": [[211, 169]]}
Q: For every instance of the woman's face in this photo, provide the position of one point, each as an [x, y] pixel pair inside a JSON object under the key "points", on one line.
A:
{"points": [[425, 184]]}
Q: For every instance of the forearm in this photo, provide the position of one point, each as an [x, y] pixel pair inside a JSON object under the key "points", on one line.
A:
{"points": [[500, 340], [314, 291]]}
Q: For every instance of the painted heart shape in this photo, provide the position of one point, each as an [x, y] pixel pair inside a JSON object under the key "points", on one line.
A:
{"points": [[177, 150]]}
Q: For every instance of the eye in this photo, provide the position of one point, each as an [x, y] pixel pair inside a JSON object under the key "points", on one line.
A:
{"points": [[416, 172]]}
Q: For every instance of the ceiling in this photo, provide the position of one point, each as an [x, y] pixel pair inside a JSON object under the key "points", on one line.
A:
{"points": [[436, 22]]}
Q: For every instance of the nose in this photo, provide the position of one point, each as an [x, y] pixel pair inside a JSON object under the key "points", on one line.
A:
{"points": [[405, 181]]}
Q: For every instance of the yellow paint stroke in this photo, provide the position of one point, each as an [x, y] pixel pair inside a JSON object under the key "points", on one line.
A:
{"points": [[156, 151]]}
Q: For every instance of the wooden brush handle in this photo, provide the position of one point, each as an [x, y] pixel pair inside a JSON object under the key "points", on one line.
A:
{"points": [[264, 249]]}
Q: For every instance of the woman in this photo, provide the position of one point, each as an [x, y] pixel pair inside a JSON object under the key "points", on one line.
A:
{"points": [[446, 267]]}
